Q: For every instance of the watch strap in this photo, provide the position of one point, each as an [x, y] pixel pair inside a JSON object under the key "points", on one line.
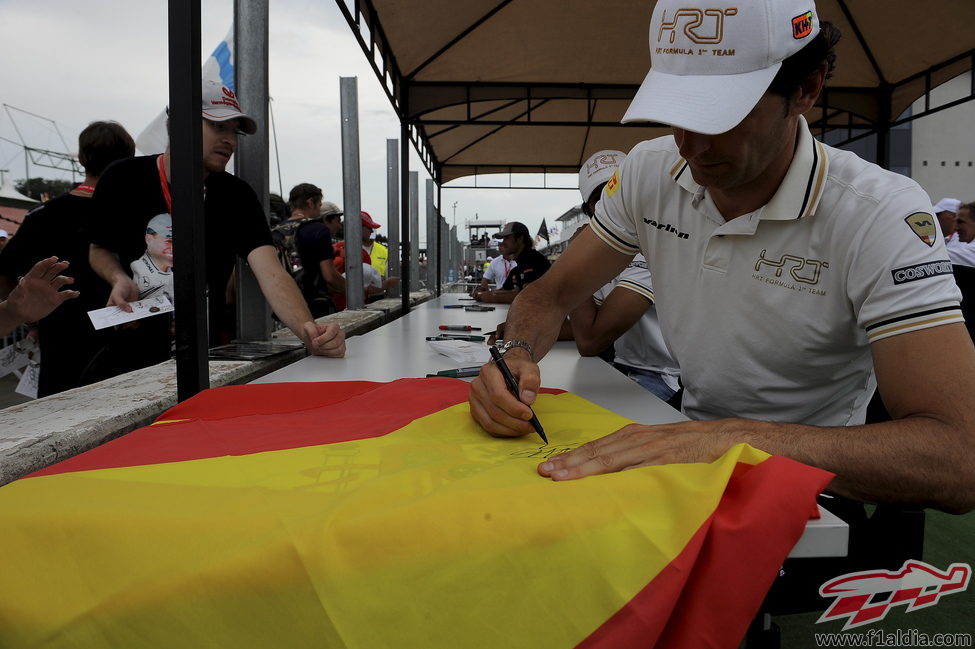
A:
{"points": [[508, 345]]}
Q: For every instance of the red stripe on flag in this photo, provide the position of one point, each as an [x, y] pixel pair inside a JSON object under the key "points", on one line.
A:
{"points": [[707, 595], [235, 420]]}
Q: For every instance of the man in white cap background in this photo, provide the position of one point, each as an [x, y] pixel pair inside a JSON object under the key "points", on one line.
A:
{"points": [[961, 249], [621, 313], [965, 223], [133, 191], [791, 277], [947, 212]]}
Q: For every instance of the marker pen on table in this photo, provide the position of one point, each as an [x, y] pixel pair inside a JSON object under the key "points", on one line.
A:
{"points": [[458, 328], [459, 373], [513, 386]]}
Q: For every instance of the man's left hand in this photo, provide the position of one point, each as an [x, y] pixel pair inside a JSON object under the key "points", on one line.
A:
{"points": [[325, 339], [637, 445]]}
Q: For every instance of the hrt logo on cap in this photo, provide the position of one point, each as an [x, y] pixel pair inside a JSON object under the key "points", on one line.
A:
{"points": [[695, 20]]}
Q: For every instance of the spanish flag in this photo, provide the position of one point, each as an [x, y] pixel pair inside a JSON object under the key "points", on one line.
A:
{"points": [[372, 515]]}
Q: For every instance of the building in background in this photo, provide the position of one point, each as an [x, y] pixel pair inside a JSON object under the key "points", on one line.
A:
{"points": [[942, 157]]}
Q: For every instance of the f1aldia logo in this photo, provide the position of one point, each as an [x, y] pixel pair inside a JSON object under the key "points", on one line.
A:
{"points": [[866, 597]]}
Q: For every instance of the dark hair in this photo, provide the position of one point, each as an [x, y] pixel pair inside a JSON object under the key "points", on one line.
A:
{"points": [[807, 60], [301, 194], [102, 143], [597, 192], [970, 207], [519, 229]]}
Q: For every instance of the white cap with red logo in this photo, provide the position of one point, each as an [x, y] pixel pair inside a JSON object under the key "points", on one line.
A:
{"points": [[711, 62], [220, 104]]}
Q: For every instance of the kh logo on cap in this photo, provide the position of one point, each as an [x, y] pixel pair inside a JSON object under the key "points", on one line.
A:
{"points": [[802, 25]]}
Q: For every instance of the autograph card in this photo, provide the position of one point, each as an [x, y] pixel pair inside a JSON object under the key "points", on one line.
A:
{"points": [[112, 315]]}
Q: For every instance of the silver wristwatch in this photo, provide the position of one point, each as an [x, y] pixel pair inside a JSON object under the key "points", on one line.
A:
{"points": [[507, 345]]}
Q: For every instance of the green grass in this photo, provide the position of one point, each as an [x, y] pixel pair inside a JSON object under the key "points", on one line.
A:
{"points": [[947, 539]]}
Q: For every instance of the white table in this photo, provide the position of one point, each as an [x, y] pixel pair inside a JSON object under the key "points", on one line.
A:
{"points": [[399, 350]]}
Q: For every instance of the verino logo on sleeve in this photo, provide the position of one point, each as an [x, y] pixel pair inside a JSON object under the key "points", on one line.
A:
{"points": [[921, 271], [923, 225]]}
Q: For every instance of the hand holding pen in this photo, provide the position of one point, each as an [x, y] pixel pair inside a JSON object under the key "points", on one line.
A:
{"points": [[512, 384]]}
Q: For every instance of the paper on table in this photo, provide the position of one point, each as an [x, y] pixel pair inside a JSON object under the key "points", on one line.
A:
{"points": [[462, 351], [29, 381], [113, 315], [11, 359]]}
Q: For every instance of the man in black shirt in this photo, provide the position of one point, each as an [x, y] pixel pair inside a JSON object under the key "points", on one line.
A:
{"points": [[307, 234], [516, 244], [67, 340], [133, 193]]}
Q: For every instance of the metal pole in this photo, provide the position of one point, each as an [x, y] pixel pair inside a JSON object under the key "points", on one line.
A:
{"points": [[392, 208], [186, 146], [415, 228], [458, 250], [350, 193], [251, 161], [454, 259], [441, 242], [431, 239], [406, 196], [443, 251], [277, 156]]}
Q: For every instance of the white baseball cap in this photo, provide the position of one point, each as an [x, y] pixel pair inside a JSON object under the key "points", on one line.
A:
{"points": [[220, 104], [947, 205], [711, 62], [597, 170]]}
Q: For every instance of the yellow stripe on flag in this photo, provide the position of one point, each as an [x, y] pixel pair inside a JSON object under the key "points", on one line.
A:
{"points": [[434, 535]]}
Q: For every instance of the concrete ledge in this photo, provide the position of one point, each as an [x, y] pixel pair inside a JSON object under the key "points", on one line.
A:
{"points": [[39, 433]]}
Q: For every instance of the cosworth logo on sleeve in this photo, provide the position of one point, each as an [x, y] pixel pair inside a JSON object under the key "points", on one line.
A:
{"points": [[921, 271]]}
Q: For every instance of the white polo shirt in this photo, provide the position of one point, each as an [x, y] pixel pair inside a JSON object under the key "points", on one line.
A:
{"points": [[960, 253], [770, 315], [497, 271], [641, 346]]}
